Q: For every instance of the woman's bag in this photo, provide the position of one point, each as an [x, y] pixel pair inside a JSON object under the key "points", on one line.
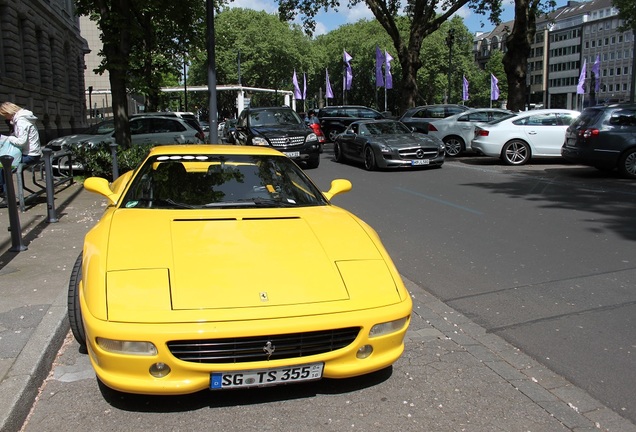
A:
{"points": [[6, 148]]}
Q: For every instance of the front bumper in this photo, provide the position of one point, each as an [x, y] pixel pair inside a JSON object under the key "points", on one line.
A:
{"points": [[590, 157], [130, 373], [302, 152]]}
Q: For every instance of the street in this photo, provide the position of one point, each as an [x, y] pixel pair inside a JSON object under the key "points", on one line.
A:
{"points": [[540, 255]]}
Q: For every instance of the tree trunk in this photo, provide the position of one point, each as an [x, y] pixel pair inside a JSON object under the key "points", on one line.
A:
{"points": [[515, 59], [116, 37], [120, 107], [409, 82]]}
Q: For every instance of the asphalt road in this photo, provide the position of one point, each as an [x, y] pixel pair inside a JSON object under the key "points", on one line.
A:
{"points": [[542, 255]]}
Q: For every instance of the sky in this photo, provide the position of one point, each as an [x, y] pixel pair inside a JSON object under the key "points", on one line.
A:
{"points": [[327, 21]]}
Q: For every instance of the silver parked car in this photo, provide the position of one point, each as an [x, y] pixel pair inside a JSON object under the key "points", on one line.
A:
{"points": [[150, 129], [387, 144], [457, 131], [419, 117]]}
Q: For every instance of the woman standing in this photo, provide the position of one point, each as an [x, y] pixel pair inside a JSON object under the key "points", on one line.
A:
{"points": [[25, 135]]}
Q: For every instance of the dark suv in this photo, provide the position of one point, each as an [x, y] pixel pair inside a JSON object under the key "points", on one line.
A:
{"points": [[335, 119], [281, 128], [604, 137]]}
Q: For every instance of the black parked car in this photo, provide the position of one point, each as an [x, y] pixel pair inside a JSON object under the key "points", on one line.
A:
{"points": [[281, 128], [419, 117], [335, 119], [604, 137]]}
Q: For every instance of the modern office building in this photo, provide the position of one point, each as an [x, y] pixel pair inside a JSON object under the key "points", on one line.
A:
{"points": [[42, 63], [566, 40]]}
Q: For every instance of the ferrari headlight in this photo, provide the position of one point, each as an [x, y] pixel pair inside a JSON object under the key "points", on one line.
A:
{"points": [[387, 327], [258, 141], [127, 347]]}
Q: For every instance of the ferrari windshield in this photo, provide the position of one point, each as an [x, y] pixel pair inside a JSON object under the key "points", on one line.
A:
{"points": [[183, 181]]}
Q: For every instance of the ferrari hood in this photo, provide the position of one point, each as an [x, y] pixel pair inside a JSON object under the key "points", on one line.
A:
{"points": [[309, 256]]}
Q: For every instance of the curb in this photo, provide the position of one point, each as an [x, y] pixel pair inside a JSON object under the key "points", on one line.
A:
{"points": [[32, 366]]}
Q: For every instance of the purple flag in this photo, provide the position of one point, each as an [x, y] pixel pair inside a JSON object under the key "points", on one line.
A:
{"points": [[388, 79], [329, 94], [304, 86], [580, 88], [297, 94], [494, 87], [379, 81], [347, 57], [596, 70], [464, 88], [348, 71]]}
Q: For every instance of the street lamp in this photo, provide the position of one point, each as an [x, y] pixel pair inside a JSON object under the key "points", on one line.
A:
{"points": [[450, 39]]}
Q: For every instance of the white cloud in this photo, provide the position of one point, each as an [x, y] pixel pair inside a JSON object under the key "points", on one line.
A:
{"points": [[321, 29], [358, 12]]}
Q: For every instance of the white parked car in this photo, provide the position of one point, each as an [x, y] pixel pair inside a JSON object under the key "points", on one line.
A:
{"points": [[530, 134], [457, 131]]}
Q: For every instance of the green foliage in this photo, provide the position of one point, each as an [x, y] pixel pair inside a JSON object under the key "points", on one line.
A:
{"points": [[360, 41], [627, 12], [98, 161], [270, 50]]}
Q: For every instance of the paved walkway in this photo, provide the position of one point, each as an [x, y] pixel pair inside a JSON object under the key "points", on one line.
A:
{"points": [[33, 324]]}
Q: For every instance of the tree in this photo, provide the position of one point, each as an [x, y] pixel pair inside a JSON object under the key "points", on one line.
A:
{"points": [[518, 44], [627, 12], [424, 17], [125, 28], [269, 49]]}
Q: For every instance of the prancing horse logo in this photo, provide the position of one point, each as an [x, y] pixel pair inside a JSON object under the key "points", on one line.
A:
{"points": [[269, 349]]}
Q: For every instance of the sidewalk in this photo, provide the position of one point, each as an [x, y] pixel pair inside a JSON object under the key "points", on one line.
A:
{"points": [[33, 286], [33, 324]]}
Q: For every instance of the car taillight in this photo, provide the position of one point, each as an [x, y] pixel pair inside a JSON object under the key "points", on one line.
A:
{"points": [[481, 132], [588, 133], [431, 128], [201, 136]]}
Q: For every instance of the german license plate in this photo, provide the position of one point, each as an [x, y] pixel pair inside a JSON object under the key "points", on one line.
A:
{"points": [[292, 154], [420, 162], [265, 377]]}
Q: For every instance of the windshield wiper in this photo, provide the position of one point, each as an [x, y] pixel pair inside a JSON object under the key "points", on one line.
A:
{"points": [[251, 202]]}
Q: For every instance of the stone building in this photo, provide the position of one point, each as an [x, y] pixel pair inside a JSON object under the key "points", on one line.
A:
{"points": [[42, 63]]}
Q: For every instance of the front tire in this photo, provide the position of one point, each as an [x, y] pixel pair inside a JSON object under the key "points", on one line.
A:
{"points": [[332, 134], [74, 311], [627, 164], [515, 152], [337, 153], [313, 161], [369, 159], [454, 146]]}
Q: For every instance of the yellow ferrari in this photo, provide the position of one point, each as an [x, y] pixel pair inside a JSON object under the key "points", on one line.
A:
{"points": [[221, 267]]}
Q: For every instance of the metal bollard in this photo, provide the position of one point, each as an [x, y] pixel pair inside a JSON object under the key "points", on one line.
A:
{"points": [[14, 220], [113, 152], [50, 187]]}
